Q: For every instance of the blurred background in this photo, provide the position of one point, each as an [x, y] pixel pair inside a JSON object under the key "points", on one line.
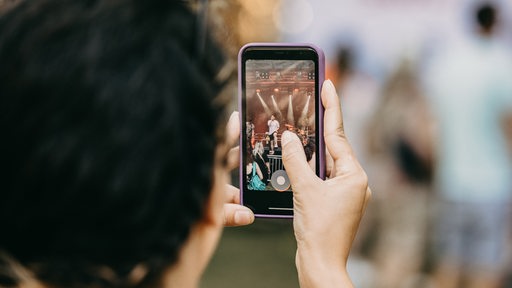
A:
{"points": [[425, 87]]}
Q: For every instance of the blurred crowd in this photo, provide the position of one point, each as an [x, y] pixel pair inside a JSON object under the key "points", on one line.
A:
{"points": [[426, 89]]}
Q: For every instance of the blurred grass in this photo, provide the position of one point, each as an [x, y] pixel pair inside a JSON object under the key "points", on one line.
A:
{"points": [[260, 255]]}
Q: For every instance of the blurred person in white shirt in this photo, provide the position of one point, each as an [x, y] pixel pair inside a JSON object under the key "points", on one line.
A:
{"points": [[470, 89]]}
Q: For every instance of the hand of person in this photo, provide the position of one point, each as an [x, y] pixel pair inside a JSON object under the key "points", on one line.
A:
{"points": [[234, 213], [327, 213]]}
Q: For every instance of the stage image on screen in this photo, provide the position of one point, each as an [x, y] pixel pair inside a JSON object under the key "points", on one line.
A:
{"points": [[280, 95]]}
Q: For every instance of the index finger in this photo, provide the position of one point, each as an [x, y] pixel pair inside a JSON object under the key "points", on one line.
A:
{"points": [[232, 134], [233, 129], [334, 133]]}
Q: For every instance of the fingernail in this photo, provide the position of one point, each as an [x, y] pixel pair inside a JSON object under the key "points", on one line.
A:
{"points": [[243, 217], [329, 85], [286, 137], [233, 115]]}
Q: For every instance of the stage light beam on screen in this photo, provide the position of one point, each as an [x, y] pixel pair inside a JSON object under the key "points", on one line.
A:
{"points": [[303, 120], [289, 116], [265, 106], [276, 108]]}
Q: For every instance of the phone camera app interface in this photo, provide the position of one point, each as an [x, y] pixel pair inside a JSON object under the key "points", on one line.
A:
{"points": [[280, 95]]}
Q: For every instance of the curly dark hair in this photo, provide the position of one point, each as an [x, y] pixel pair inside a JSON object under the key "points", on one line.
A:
{"points": [[109, 128]]}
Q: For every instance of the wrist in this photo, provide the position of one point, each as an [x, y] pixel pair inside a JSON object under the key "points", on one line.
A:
{"points": [[317, 271]]}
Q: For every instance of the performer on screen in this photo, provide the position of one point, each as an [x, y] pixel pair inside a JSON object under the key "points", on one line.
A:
{"points": [[273, 127]]}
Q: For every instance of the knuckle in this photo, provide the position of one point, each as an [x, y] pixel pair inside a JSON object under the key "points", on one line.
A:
{"points": [[340, 131], [360, 179], [290, 153], [227, 220], [336, 136]]}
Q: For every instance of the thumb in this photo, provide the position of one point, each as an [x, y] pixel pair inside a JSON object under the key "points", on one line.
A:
{"points": [[237, 215], [294, 159]]}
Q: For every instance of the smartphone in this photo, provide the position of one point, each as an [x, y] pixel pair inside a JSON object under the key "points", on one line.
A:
{"points": [[279, 89]]}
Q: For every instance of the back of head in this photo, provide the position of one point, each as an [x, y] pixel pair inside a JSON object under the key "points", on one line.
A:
{"points": [[109, 128], [485, 17]]}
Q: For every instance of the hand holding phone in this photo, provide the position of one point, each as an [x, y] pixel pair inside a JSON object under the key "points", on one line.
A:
{"points": [[327, 212]]}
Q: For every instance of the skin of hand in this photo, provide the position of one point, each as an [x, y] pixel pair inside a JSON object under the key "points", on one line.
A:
{"points": [[234, 213], [327, 213]]}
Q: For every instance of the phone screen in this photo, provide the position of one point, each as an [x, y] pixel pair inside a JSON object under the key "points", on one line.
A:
{"points": [[280, 92]]}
